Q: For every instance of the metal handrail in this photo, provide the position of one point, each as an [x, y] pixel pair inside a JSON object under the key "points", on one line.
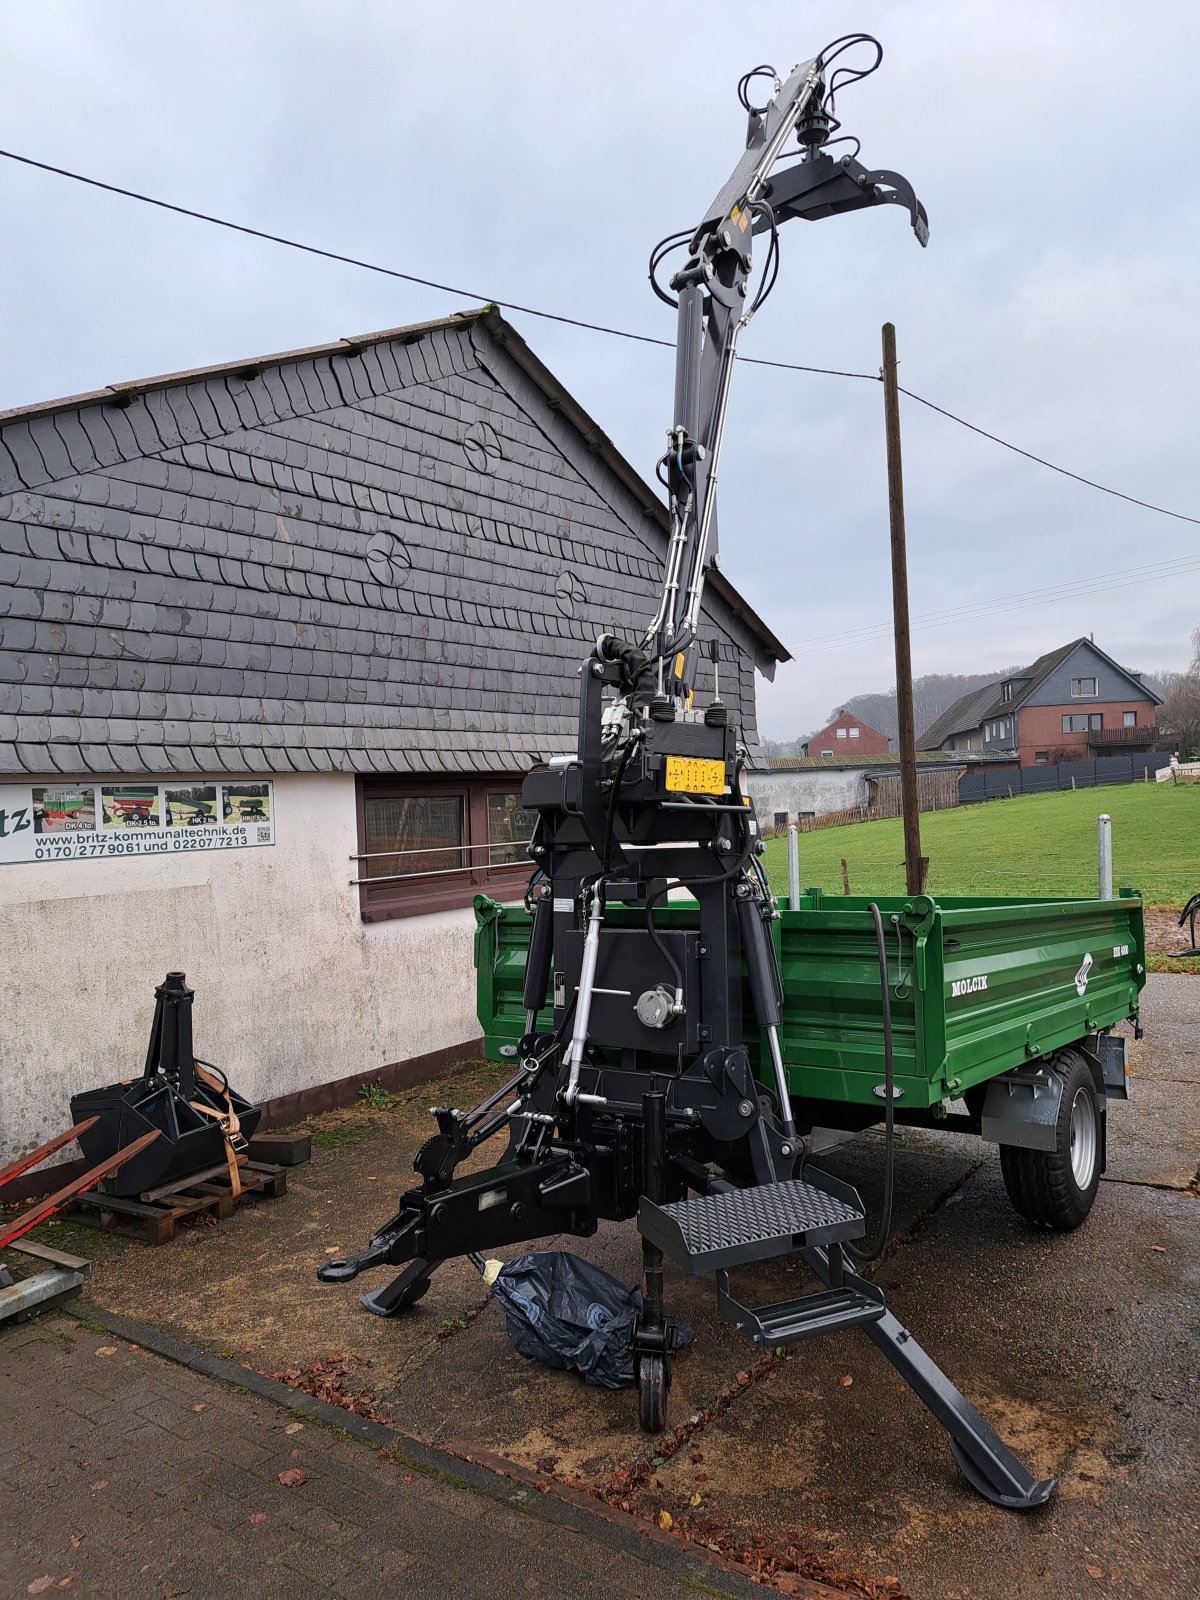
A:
{"points": [[434, 849], [440, 872]]}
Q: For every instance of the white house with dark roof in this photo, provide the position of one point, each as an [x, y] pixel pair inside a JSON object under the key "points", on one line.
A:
{"points": [[277, 641]]}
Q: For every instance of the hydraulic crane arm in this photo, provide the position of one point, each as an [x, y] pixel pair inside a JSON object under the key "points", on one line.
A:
{"points": [[714, 304]]}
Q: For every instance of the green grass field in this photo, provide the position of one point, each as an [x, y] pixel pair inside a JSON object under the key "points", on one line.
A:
{"points": [[1032, 845]]}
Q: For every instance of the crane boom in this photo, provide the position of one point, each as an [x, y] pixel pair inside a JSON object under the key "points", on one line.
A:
{"points": [[714, 305]]}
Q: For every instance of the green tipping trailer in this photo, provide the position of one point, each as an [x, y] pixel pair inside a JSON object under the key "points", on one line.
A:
{"points": [[1001, 1017]]}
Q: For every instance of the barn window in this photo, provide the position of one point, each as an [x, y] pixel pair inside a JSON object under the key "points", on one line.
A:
{"points": [[434, 845], [781, 819], [1081, 688]]}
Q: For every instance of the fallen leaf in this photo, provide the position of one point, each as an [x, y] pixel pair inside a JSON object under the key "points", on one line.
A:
{"points": [[1093, 1572], [846, 1381], [332, 1250], [198, 1409], [100, 1483], [666, 1521], [65, 1583], [40, 1585], [257, 1519], [292, 1478], [695, 1500], [408, 1477], [293, 1427], [104, 1350], [131, 1347], [77, 1539], [372, 1180], [1082, 1433], [1160, 1249]]}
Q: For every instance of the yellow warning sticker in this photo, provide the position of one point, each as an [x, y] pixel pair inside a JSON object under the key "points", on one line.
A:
{"points": [[695, 775]]}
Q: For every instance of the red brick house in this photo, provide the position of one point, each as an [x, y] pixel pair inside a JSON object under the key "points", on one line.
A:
{"points": [[846, 735], [1072, 704]]}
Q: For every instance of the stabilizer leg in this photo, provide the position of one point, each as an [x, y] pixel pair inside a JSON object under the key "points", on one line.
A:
{"points": [[652, 1335], [982, 1457], [404, 1290]]}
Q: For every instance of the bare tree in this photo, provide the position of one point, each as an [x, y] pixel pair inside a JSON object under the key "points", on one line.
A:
{"points": [[1179, 715]]}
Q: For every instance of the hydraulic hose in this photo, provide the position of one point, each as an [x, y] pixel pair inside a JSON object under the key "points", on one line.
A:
{"points": [[871, 1250]]}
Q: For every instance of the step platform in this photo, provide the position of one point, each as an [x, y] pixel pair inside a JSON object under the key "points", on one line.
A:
{"points": [[789, 1321], [735, 1226]]}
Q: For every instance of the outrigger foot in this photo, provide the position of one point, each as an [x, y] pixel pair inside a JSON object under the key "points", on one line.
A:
{"points": [[403, 1291]]}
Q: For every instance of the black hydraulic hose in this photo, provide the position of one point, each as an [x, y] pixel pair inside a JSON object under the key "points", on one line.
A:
{"points": [[736, 865], [660, 944], [614, 797], [870, 1251]]}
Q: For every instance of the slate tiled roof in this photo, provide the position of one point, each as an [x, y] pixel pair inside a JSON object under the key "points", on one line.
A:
{"points": [[967, 713], [383, 555]]}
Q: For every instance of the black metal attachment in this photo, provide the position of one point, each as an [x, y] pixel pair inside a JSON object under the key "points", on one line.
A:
{"points": [[199, 1117]]}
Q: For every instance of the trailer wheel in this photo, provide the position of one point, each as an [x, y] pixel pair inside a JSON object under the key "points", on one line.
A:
{"points": [[1055, 1188]]}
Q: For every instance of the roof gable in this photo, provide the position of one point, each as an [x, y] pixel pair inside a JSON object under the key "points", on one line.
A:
{"points": [[1037, 673], [379, 555]]}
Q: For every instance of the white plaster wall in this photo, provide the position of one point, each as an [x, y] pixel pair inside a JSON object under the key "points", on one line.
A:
{"points": [[292, 988], [815, 789]]}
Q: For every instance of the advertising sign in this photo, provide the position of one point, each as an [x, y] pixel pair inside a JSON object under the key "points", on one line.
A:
{"points": [[86, 821]]}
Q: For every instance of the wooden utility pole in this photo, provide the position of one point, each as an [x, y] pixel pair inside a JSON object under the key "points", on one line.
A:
{"points": [[915, 864]]}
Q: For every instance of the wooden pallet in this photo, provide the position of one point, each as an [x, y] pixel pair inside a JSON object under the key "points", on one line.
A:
{"points": [[152, 1216]]}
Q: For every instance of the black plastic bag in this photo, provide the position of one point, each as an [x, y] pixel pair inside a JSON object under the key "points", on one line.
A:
{"points": [[567, 1314]]}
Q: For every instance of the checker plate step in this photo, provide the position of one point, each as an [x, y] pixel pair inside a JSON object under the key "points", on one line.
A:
{"points": [[739, 1225]]}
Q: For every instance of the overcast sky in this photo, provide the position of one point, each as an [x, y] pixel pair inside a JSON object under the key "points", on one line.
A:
{"points": [[535, 151]]}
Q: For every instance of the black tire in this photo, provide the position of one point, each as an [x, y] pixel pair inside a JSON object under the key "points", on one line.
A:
{"points": [[653, 1383], [1055, 1188]]}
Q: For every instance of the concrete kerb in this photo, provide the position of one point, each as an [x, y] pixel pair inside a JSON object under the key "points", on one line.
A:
{"points": [[706, 1572]]}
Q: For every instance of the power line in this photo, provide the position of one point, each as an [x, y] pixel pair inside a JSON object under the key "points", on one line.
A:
{"points": [[1042, 462], [941, 620], [1045, 594], [387, 272], [571, 322]]}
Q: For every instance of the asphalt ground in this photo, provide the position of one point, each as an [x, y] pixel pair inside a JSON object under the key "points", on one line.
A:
{"points": [[1080, 1350]]}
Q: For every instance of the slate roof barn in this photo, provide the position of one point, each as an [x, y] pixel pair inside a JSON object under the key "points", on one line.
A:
{"points": [[377, 555]]}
